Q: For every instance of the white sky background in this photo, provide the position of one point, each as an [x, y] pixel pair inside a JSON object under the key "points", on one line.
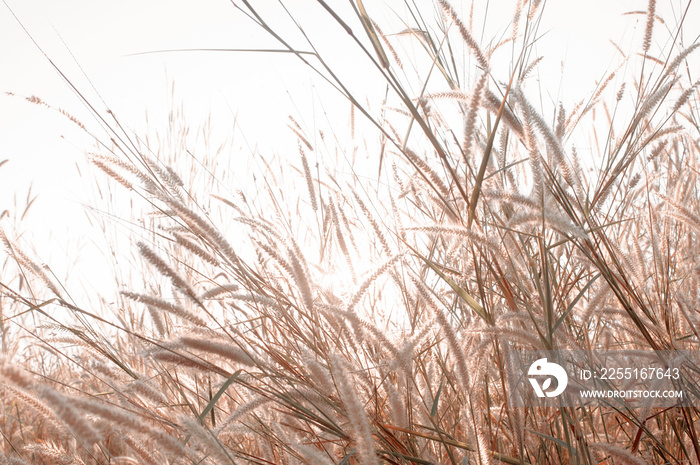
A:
{"points": [[261, 90]]}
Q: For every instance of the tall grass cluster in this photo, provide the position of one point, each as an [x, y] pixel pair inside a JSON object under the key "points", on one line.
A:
{"points": [[370, 317]]}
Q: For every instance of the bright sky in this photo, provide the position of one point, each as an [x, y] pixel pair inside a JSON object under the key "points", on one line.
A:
{"points": [[261, 90]]}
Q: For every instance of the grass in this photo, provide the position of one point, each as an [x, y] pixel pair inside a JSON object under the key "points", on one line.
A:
{"points": [[375, 316]]}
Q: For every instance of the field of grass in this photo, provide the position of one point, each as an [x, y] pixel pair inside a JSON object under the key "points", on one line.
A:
{"points": [[374, 312]]}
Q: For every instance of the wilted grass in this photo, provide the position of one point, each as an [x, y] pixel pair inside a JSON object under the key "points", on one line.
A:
{"points": [[372, 317]]}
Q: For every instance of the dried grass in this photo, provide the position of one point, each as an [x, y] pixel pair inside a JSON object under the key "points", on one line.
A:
{"points": [[252, 342]]}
